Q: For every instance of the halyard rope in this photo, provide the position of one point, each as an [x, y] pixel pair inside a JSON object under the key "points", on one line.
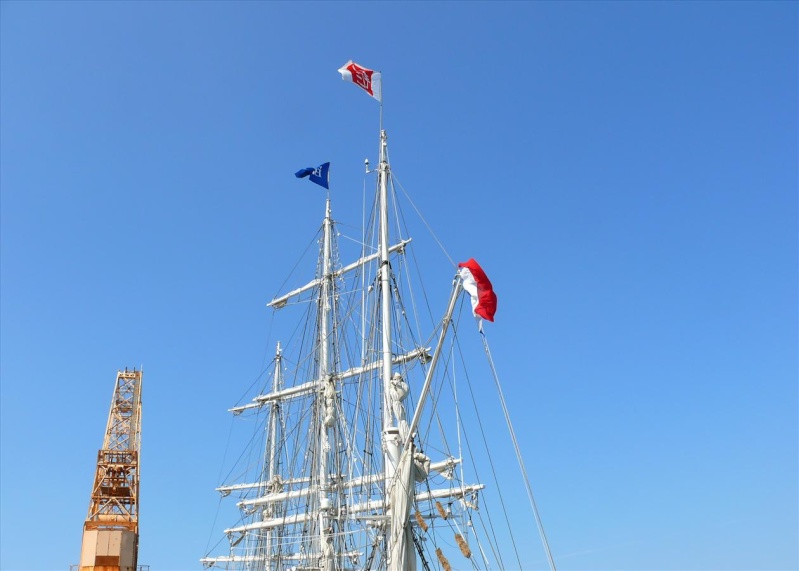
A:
{"points": [[518, 453]]}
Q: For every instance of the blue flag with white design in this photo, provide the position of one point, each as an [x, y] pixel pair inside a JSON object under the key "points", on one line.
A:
{"points": [[320, 175]]}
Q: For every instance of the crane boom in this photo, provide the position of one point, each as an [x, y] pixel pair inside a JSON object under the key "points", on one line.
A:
{"points": [[111, 529]]}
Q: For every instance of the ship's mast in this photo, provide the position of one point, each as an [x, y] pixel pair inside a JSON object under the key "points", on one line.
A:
{"points": [[390, 434], [327, 404], [397, 555], [271, 472]]}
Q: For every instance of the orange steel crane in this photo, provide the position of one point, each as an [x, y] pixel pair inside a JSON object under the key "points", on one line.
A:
{"points": [[111, 530]]}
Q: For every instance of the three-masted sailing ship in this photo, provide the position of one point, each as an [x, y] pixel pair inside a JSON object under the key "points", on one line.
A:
{"points": [[360, 457]]}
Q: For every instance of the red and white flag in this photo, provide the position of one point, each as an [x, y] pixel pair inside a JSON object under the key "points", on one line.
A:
{"points": [[478, 286], [367, 79]]}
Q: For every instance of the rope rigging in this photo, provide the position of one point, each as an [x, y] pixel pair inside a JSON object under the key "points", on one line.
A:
{"points": [[340, 502], [529, 488]]}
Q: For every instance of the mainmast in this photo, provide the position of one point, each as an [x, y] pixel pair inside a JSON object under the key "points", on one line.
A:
{"points": [[390, 432], [398, 476]]}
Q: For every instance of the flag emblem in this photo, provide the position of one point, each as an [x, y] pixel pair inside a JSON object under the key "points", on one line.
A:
{"points": [[367, 79]]}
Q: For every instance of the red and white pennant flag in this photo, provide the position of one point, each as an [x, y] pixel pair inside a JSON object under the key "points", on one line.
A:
{"points": [[367, 79], [478, 286]]}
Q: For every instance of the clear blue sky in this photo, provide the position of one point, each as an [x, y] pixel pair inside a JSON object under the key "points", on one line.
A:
{"points": [[626, 173]]}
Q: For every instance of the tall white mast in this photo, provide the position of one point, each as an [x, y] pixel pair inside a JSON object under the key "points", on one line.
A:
{"points": [[391, 443], [390, 432], [385, 282], [327, 405]]}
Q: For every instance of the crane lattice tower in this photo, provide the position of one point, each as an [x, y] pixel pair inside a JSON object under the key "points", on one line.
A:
{"points": [[111, 529]]}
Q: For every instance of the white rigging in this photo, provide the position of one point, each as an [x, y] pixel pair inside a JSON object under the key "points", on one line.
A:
{"points": [[356, 470]]}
